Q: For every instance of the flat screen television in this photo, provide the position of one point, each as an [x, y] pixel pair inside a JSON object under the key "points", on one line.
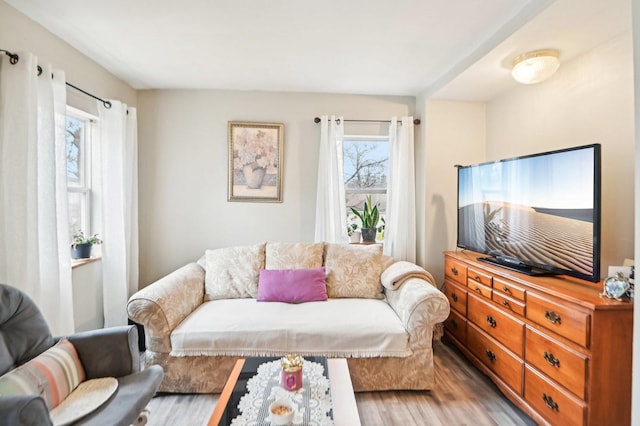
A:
{"points": [[537, 214]]}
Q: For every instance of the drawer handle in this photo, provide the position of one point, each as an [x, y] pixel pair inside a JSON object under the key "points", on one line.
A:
{"points": [[454, 271], [552, 317], [478, 289], [505, 303], [552, 360], [477, 278], [505, 289], [454, 297], [454, 324], [549, 402], [491, 321], [490, 355]]}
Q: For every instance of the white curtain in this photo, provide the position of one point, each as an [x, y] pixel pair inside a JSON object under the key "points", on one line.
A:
{"points": [[400, 226], [331, 220], [34, 235], [117, 191]]}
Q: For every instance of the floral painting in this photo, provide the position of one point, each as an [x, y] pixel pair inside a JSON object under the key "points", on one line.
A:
{"points": [[255, 161]]}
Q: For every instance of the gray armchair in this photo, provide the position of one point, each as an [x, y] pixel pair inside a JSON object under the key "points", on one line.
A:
{"points": [[111, 352]]}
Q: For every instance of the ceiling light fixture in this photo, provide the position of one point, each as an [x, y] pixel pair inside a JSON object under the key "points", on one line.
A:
{"points": [[534, 67]]}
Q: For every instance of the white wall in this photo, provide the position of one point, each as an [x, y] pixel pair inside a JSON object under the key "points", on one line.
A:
{"points": [[19, 33], [453, 133], [589, 100], [88, 313], [183, 169], [635, 390]]}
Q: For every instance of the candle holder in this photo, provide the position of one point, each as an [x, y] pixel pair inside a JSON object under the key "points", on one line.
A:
{"points": [[291, 377]]}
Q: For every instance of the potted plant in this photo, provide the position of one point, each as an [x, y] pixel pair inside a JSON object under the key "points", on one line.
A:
{"points": [[353, 233], [81, 245], [369, 218], [381, 229]]}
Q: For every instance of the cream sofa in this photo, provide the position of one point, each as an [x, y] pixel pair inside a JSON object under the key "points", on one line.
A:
{"points": [[380, 315]]}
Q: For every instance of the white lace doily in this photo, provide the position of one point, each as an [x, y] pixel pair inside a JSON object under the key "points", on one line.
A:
{"points": [[312, 400]]}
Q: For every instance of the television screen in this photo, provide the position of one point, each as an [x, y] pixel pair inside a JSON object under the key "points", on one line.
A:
{"points": [[537, 214]]}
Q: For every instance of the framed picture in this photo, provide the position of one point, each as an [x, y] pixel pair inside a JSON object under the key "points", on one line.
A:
{"points": [[255, 161]]}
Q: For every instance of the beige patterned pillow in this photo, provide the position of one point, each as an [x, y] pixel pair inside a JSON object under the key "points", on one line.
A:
{"points": [[233, 272], [294, 255], [354, 270]]}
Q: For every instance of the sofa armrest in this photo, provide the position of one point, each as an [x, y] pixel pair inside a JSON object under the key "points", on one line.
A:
{"points": [[108, 352], [162, 305], [24, 410], [418, 304]]}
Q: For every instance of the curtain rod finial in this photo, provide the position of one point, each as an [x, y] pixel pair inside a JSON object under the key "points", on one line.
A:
{"points": [[13, 57]]}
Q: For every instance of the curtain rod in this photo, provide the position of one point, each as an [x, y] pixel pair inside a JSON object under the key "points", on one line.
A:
{"points": [[416, 121], [14, 58]]}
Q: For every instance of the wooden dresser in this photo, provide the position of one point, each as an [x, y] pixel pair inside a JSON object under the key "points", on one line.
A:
{"points": [[553, 345]]}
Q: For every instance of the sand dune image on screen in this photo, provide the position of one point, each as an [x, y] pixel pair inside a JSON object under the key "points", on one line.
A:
{"points": [[552, 237]]}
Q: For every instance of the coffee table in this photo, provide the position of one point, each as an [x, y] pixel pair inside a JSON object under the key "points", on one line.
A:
{"points": [[345, 410]]}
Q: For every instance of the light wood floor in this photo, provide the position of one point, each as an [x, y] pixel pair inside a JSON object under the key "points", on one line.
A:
{"points": [[463, 396]]}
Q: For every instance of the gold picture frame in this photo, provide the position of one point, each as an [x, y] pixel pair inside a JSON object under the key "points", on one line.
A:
{"points": [[255, 161]]}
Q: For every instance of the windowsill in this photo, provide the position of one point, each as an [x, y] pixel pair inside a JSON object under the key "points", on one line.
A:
{"points": [[75, 263]]}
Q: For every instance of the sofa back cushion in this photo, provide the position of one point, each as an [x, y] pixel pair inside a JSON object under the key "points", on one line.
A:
{"points": [[294, 255], [292, 285], [354, 270], [233, 272]]}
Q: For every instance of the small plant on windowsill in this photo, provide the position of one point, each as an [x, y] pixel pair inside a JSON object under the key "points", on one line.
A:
{"points": [[82, 245], [353, 233]]}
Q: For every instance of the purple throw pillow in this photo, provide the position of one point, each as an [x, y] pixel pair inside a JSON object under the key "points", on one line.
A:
{"points": [[292, 285]]}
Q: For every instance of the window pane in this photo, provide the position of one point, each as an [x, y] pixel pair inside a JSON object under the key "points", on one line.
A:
{"points": [[74, 138], [365, 164], [366, 167], [78, 132], [365, 172], [77, 207]]}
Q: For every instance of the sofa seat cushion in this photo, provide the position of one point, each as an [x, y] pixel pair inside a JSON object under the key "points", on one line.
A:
{"points": [[334, 328]]}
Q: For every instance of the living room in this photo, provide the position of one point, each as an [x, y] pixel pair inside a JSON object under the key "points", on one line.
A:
{"points": [[589, 100]]}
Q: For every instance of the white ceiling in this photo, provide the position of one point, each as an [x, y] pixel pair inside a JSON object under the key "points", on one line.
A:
{"points": [[335, 46], [573, 27]]}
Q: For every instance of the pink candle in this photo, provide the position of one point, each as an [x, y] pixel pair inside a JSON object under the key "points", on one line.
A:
{"points": [[292, 379]]}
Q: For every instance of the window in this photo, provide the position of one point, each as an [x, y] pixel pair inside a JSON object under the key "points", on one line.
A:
{"points": [[78, 142], [366, 168]]}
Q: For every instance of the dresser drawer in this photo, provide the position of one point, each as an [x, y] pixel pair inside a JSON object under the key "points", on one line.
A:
{"points": [[557, 361], [457, 297], [456, 324], [554, 404], [503, 327], [506, 302], [455, 270], [479, 277], [479, 289], [494, 356], [567, 322], [509, 289]]}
